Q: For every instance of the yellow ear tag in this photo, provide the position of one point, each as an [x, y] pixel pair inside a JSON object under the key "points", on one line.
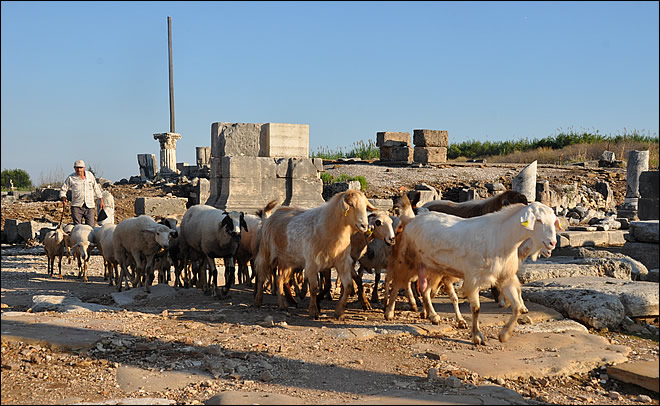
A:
{"points": [[525, 223], [346, 212], [369, 232]]}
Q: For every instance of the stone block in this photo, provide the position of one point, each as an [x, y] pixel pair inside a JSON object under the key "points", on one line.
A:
{"points": [[430, 155], [305, 193], [382, 137], [284, 140], [393, 143], [235, 139], [648, 184], [645, 231], [203, 157], [332, 189], [468, 194], [639, 299], [590, 238], [268, 167], [648, 209], [275, 189], [318, 163], [396, 154], [237, 166], [49, 195], [31, 229], [431, 138], [160, 206], [565, 267], [640, 373], [11, 231], [382, 204], [201, 191], [148, 166], [282, 167], [302, 169]]}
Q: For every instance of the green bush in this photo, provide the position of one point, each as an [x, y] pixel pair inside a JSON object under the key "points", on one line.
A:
{"points": [[328, 179], [19, 177], [360, 149]]}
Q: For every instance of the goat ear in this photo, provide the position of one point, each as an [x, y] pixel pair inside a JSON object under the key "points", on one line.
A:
{"points": [[527, 220], [344, 205]]}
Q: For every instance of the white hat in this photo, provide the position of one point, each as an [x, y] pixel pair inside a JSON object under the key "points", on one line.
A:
{"points": [[79, 164]]}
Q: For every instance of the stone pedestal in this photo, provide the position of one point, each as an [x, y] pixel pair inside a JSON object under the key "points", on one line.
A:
{"points": [[167, 151], [252, 164]]}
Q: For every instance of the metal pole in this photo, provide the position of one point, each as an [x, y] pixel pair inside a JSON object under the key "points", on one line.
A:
{"points": [[169, 49]]}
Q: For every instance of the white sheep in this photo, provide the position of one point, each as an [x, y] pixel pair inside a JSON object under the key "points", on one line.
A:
{"points": [[110, 264], [212, 233], [81, 247], [55, 243], [483, 251], [139, 239], [313, 239]]}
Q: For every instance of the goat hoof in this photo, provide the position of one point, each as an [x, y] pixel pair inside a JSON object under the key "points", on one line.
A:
{"points": [[524, 310], [479, 339], [462, 324], [504, 337]]}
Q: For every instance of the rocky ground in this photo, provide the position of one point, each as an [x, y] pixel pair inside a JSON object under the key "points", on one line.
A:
{"points": [[236, 348]]}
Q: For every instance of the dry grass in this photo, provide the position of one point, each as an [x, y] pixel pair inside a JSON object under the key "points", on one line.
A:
{"points": [[578, 153]]}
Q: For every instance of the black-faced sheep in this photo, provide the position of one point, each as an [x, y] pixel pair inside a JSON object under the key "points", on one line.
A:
{"points": [[212, 233]]}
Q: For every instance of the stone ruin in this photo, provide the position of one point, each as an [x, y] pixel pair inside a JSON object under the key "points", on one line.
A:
{"points": [[254, 163], [430, 146]]}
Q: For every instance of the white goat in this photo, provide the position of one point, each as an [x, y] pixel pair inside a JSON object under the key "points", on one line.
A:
{"points": [[483, 251], [313, 239], [212, 233], [139, 238]]}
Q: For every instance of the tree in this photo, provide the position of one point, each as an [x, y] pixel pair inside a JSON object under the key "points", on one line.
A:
{"points": [[19, 177]]}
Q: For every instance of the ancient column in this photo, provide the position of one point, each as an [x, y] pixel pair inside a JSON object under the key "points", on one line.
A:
{"points": [[167, 151], [638, 162], [525, 182]]}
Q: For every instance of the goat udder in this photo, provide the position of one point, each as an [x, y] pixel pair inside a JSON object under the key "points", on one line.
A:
{"points": [[422, 281]]}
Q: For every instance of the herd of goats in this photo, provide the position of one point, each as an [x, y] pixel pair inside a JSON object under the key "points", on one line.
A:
{"points": [[481, 242]]}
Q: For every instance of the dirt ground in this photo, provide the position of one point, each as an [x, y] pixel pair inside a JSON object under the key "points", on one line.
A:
{"points": [[242, 348]]}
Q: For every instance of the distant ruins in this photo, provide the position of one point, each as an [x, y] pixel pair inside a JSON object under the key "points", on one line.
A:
{"points": [[430, 146]]}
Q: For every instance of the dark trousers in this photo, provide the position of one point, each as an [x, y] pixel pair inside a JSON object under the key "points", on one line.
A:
{"points": [[84, 212]]}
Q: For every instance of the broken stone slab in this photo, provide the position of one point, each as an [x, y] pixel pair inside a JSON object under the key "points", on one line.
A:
{"points": [[551, 326], [382, 204], [645, 231], [131, 295], [596, 301], [591, 238], [66, 304], [11, 230], [459, 395], [253, 398], [538, 355], [563, 267], [130, 379], [638, 270], [641, 373]]}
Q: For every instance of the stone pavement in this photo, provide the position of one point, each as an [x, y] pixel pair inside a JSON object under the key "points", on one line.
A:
{"points": [[545, 345]]}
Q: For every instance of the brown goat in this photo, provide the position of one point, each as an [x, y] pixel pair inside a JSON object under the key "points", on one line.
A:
{"points": [[473, 208]]}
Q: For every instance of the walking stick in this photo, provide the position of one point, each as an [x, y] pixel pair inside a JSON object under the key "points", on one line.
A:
{"points": [[61, 218]]}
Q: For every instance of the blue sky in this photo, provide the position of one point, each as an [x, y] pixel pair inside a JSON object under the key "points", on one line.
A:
{"points": [[89, 80]]}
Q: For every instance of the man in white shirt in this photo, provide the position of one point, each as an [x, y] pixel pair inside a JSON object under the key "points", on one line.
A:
{"points": [[84, 190]]}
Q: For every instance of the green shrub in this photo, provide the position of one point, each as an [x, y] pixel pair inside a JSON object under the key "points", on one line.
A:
{"points": [[19, 177], [328, 179]]}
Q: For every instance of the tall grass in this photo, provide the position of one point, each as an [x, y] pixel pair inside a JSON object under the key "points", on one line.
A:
{"points": [[359, 149]]}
